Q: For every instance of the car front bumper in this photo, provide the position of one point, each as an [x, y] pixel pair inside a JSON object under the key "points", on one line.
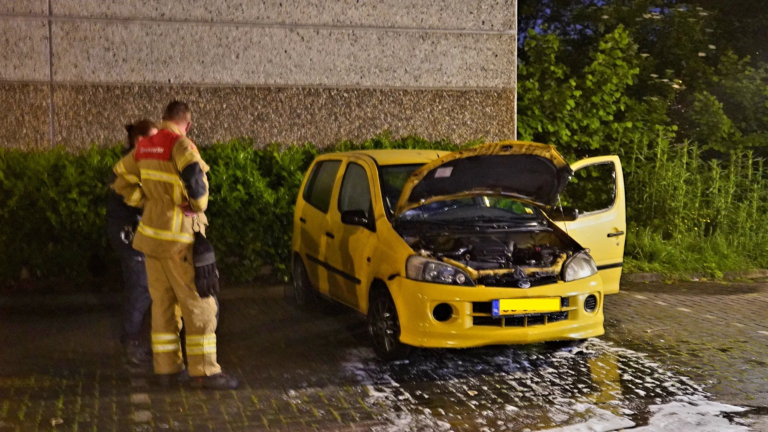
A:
{"points": [[471, 323]]}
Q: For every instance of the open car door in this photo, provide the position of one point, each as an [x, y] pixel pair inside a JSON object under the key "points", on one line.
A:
{"points": [[596, 193]]}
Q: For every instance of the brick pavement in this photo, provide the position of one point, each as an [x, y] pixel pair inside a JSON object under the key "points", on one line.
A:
{"points": [[66, 365], [60, 369], [717, 333]]}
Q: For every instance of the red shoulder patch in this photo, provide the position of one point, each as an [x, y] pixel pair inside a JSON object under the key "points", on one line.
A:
{"points": [[157, 147]]}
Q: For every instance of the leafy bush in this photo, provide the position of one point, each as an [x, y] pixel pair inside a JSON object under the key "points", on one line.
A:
{"points": [[52, 207], [633, 80], [692, 215], [685, 214], [52, 211]]}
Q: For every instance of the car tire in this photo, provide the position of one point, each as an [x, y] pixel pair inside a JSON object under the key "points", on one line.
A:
{"points": [[384, 329], [303, 293]]}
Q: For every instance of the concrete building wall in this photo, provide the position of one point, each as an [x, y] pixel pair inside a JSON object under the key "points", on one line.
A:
{"points": [[72, 72]]}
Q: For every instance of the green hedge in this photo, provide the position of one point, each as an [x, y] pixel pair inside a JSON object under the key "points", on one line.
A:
{"points": [[684, 214], [52, 206]]}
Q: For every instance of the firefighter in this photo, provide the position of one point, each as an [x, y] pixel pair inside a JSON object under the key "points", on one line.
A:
{"points": [[122, 221], [165, 176]]}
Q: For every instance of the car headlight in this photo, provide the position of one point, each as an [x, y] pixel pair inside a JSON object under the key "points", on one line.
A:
{"points": [[579, 266], [429, 270]]}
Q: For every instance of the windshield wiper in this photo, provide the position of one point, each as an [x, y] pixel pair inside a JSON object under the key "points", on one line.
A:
{"points": [[426, 223], [492, 219]]}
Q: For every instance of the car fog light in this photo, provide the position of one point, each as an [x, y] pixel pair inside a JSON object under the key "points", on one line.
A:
{"points": [[442, 312], [590, 303]]}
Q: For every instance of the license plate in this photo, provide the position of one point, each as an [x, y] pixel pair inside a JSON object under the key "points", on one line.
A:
{"points": [[506, 307]]}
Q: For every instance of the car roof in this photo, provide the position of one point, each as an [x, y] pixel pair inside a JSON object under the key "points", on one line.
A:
{"points": [[396, 157]]}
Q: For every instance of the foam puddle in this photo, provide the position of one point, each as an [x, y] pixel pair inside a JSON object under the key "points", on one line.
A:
{"points": [[602, 421], [694, 415], [598, 388], [685, 414]]}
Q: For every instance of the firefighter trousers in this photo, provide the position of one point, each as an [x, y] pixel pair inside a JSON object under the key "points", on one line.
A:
{"points": [[172, 283]]}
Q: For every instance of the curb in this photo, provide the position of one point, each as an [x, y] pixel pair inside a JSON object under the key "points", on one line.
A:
{"points": [[659, 277], [747, 274], [115, 299]]}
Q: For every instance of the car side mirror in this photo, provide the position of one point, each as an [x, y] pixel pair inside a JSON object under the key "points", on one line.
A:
{"points": [[355, 217], [564, 214]]}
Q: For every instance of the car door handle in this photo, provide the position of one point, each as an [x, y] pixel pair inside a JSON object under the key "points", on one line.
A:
{"points": [[330, 235], [616, 234], [302, 220]]}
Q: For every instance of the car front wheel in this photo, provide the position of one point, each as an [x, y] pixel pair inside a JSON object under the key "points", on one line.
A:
{"points": [[384, 328]]}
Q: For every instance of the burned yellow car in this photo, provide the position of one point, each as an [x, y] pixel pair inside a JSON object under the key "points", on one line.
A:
{"points": [[455, 250]]}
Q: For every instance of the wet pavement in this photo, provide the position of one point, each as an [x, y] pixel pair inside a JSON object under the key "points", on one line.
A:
{"points": [[717, 333], [673, 355]]}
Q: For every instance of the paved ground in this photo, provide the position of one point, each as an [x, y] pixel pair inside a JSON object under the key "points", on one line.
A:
{"points": [[717, 333], [60, 369]]}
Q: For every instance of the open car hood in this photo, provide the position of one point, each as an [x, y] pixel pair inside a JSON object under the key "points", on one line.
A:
{"points": [[530, 172]]}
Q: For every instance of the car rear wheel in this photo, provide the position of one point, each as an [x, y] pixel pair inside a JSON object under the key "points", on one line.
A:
{"points": [[303, 293], [384, 328]]}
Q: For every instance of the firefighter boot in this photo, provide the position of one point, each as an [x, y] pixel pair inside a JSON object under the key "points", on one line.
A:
{"points": [[167, 380], [136, 352], [220, 381]]}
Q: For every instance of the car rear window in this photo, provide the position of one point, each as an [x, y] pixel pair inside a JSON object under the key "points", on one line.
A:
{"points": [[320, 185]]}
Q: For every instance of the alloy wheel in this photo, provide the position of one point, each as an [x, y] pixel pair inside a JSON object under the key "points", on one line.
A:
{"points": [[384, 326]]}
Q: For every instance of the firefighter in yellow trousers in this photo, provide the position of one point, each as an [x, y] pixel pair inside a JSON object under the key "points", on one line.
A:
{"points": [[165, 176]]}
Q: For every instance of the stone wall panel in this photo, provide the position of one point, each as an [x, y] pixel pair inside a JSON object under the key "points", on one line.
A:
{"points": [[109, 52], [285, 115], [24, 117], [486, 15], [24, 52], [287, 71], [24, 7]]}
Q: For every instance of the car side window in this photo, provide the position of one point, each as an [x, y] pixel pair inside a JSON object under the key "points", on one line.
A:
{"points": [[592, 188], [319, 187], [355, 193]]}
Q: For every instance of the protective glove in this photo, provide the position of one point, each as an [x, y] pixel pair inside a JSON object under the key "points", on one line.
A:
{"points": [[206, 273]]}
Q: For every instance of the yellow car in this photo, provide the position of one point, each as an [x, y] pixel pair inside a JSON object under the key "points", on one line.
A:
{"points": [[462, 249]]}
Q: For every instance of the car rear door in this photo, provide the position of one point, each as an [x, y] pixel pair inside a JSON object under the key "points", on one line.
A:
{"points": [[597, 192], [348, 255], [313, 219]]}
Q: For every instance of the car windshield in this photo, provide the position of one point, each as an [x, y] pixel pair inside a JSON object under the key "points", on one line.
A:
{"points": [[393, 178], [475, 211], [479, 210]]}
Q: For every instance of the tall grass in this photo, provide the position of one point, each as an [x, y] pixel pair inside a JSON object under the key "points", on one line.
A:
{"points": [[689, 214]]}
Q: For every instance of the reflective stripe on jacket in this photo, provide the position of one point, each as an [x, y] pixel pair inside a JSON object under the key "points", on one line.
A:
{"points": [[162, 173]]}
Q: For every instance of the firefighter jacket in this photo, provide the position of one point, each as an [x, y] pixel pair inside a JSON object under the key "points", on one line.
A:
{"points": [[162, 173]]}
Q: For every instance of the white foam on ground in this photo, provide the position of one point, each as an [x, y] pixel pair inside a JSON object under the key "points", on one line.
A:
{"points": [[692, 415], [688, 414], [601, 421], [403, 421], [689, 411]]}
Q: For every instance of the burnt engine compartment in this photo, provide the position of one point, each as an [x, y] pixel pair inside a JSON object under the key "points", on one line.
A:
{"points": [[508, 259]]}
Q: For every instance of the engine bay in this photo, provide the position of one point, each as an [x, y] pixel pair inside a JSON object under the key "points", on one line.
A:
{"points": [[499, 259]]}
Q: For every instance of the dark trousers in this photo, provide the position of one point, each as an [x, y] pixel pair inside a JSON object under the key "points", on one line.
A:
{"points": [[138, 301]]}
